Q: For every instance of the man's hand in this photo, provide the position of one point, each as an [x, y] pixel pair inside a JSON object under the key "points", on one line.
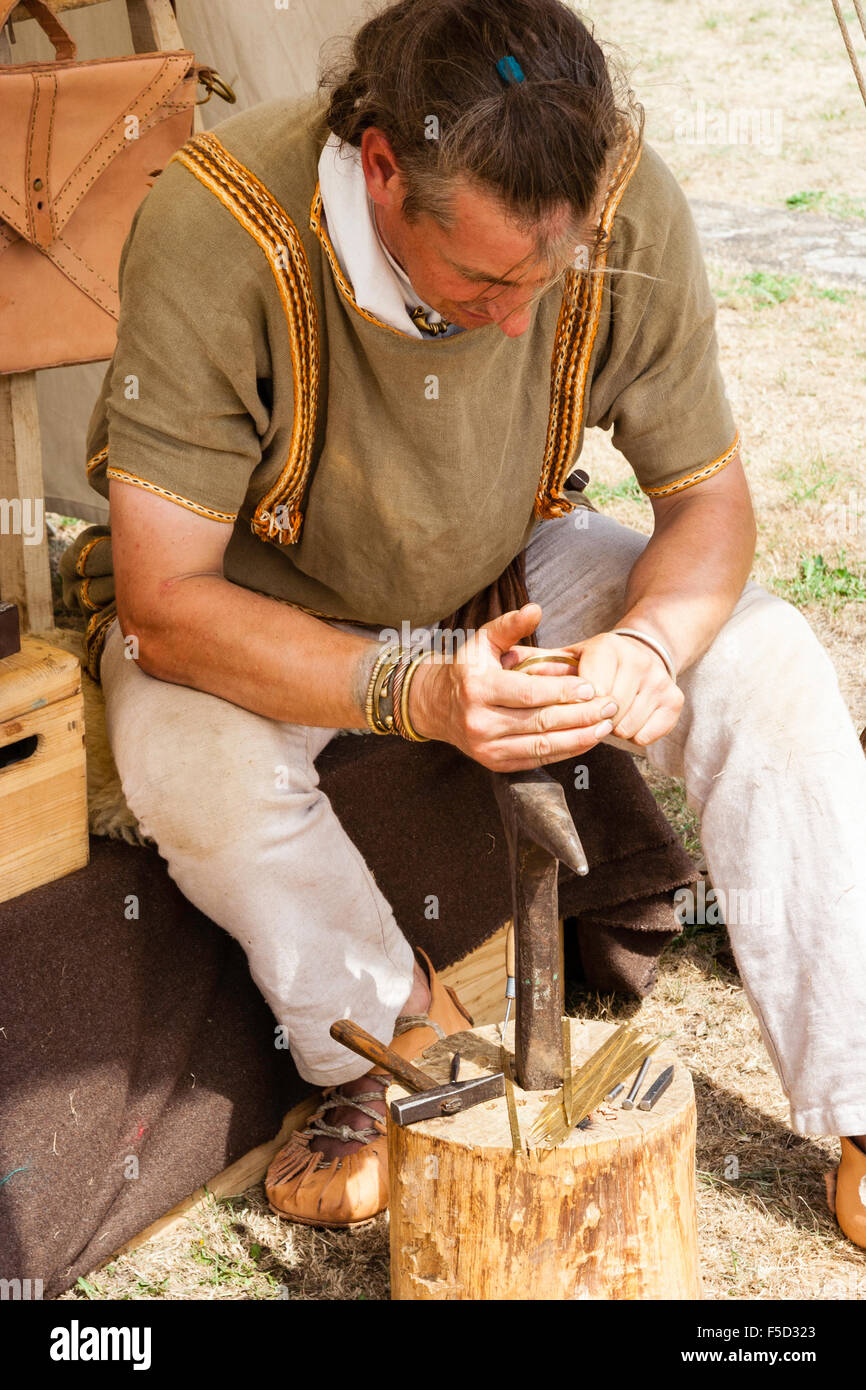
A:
{"points": [[633, 675], [508, 720]]}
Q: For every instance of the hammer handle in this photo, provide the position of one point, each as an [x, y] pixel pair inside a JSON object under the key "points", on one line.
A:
{"points": [[359, 1040]]}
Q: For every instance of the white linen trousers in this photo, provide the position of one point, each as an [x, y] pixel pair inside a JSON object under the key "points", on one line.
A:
{"points": [[770, 760]]}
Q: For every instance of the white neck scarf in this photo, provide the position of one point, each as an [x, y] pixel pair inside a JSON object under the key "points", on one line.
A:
{"points": [[380, 285]]}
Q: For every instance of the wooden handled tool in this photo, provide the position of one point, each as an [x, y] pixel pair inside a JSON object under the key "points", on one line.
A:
{"points": [[432, 1099], [358, 1040]]}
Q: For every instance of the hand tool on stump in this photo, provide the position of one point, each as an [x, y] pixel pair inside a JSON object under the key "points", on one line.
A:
{"points": [[540, 834], [432, 1098], [657, 1089], [628, 1103]]}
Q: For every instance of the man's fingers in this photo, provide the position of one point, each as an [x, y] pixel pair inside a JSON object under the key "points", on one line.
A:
{"points": [[658, 724], [510, 723], [636, 713], [521, 753], [520, 690], [506, 630]]}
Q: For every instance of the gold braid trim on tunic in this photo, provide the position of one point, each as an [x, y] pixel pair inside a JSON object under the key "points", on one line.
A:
{"points": [[697, 477], [278, 515], [572, 350]]}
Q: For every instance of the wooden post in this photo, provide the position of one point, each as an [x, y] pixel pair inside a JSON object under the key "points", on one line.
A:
{"points": [[25, 576], [153, 26], [609, 1214]]}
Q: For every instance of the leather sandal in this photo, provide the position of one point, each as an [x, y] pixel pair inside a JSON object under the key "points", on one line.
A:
{"points": [[303, 1185], [849, 1201]]}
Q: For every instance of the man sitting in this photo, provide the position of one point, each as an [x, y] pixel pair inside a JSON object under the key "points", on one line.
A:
{"points": [[359, 346]]}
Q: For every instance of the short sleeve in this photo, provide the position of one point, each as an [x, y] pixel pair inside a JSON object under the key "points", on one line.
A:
{"points": [[658, 383], [183, 410]]}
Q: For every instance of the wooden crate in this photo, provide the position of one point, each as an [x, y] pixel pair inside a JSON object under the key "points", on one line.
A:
{"points": [[43, 782]]}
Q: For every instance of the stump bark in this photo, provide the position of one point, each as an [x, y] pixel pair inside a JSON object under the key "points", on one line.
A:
{"points": [[609, 1214]]}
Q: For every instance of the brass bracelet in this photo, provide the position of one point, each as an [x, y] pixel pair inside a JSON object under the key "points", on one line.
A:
{"points": [[411, 733], [567, 657], [382, 717], [401, 666], [370, 709]]}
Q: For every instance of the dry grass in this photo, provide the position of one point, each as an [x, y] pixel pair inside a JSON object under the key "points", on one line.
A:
{"points": [[794, 360], [237, 1249], [785, 58]]}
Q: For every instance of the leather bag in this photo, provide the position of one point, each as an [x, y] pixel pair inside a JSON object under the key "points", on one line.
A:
{"points": [[82, 142]]}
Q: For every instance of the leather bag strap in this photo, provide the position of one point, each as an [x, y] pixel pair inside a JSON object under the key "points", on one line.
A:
{"points": [[65, 50]]}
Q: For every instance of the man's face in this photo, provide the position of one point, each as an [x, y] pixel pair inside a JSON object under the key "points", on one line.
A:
{"points": [[482, 270]]}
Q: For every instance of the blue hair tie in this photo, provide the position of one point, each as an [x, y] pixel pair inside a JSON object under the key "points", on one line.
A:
{"points": [[510, 70]]}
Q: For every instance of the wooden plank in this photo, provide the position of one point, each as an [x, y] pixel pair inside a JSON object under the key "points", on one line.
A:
{"points": [[58, 6], [153, 26], [37, 675], [479, 980], [25, 576]]}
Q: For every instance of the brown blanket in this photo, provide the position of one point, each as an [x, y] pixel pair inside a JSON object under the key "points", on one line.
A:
{"points": [[145, 1039]]}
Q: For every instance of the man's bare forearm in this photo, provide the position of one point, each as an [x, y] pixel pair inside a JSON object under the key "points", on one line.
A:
{"points": [[255, 652], [686, 582]]}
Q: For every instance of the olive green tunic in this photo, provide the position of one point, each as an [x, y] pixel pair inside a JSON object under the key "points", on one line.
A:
{"points": [[367, 475]]}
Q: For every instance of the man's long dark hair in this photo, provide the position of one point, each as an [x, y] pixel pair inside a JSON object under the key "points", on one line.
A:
{"points": [[428, 67]]}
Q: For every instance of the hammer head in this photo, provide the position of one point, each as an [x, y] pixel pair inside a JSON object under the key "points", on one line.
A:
{"points": [[448, 1099], [541, 815]]}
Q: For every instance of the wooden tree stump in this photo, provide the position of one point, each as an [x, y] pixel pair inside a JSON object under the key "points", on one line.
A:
{"points": [[608, 1214]]}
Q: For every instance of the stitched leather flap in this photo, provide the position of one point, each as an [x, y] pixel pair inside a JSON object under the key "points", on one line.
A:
{"points": [[64, 124]]}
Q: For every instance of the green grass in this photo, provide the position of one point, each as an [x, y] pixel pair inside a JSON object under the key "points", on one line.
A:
{"points": [[806, 480], [765, 288], [90, 1289], [817, 581], [831, 204], [759, 289], [627, 490], [838, 296]]}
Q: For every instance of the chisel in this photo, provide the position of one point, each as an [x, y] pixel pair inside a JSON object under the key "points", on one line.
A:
{"points": [[657, 1089]]}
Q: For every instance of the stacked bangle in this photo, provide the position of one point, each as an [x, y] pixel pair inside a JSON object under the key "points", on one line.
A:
{"points": [[383, 668], [386, 705], [403, 677]]}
